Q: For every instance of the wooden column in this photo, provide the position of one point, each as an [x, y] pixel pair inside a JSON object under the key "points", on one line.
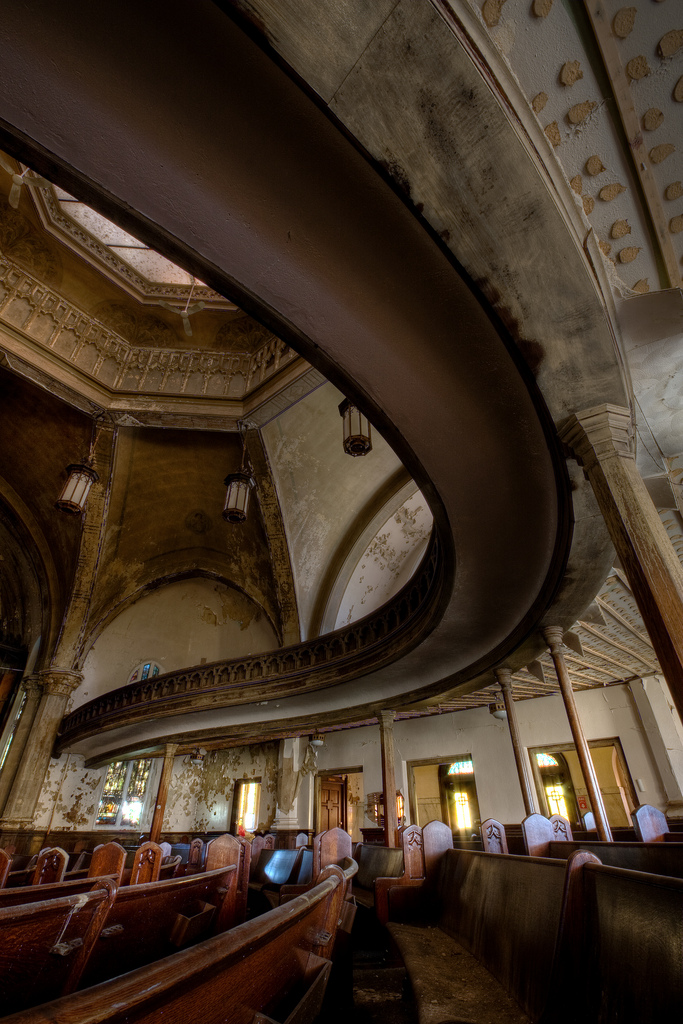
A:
{"points": [[553, 637], [385, 720], [504, 677], [601, 439], [162, 792]]}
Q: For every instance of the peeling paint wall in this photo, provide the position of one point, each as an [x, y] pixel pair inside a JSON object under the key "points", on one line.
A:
{"points": [[216, 787], [388, 562], [70, 795], [178, 626]]}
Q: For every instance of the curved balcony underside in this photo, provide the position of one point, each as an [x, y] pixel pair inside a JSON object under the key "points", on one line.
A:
{"points": [[442, 283]]}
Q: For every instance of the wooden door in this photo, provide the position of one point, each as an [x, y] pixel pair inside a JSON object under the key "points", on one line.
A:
{"points": [[331, 805]]}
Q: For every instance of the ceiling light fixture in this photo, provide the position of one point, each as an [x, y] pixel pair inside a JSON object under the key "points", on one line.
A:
{"points": [[356, 430], [81, 477], [498, 709], [239, 486]]}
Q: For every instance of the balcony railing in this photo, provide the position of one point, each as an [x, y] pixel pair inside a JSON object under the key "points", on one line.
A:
{"points": [[361, 647]]}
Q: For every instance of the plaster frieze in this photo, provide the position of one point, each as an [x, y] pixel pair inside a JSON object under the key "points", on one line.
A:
{"points": [[49, 324]]}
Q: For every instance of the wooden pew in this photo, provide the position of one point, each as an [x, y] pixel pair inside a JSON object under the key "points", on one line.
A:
{"points": [[45, 945], [195, 857], [409, 896], [330, 847], [275, 967], [655, 858], [374, 862], [493, 836], [632, 946], [539, 832], [150, 920], [501, 916], [258, 844], [50, 867], [21, 894], [146, 864], [650, 824]]}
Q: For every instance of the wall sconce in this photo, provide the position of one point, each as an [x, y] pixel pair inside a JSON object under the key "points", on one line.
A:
{"points": [[356, 430], [196, 757], [317, 740], [81, 477], [497, 709], [239, 486]]}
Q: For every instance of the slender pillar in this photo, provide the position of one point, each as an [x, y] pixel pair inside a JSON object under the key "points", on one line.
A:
{"points": [[504, 677], [601, 439], [34, 690], [385, 720], [162, 792], [58, 685], [553, 637]]}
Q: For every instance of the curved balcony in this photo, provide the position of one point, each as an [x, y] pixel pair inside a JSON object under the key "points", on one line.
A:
{"points": [[367, 644]]}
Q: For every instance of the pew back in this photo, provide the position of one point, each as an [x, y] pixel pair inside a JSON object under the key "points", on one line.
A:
{"points": [[151, 920], [146, 864], [50, 867], [276, 965], [633, 971], [330, 847], [44, 945], [655, 858], [506, 911], [108, 859]]}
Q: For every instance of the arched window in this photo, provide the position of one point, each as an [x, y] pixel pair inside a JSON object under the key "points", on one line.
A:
{"points": [[145, 670]]}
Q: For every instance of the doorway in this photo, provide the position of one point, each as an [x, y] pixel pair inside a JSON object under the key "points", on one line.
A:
{"points": [[340, 801], [444, 790], [562, 789]]}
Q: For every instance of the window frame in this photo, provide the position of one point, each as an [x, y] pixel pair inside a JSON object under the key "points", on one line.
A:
{"points": [[148, 798]]}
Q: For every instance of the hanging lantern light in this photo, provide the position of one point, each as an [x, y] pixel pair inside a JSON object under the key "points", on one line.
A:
{"points": [[356, 430], [80, 478], [76, 489], [239, 486]]}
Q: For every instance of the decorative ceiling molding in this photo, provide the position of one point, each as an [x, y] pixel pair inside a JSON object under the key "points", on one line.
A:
{"points": [[61, 341]]}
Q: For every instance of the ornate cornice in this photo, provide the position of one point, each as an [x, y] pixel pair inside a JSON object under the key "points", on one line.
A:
{"points": [[370, 643], [55, 326]]}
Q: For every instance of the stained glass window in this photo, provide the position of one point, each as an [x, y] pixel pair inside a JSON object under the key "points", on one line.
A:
{"points": [[461, 768], [112, 793], [546, 761], [145, 670], [129, 778]]}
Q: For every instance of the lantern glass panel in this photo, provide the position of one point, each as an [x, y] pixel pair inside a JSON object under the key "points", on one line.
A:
{"points": [[76, 489]]}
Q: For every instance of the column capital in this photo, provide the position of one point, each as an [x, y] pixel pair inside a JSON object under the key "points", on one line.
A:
{"points": [[33, 685], [553, 637], [60, 681], [601, 432], [504, 677], [386, 717]]}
